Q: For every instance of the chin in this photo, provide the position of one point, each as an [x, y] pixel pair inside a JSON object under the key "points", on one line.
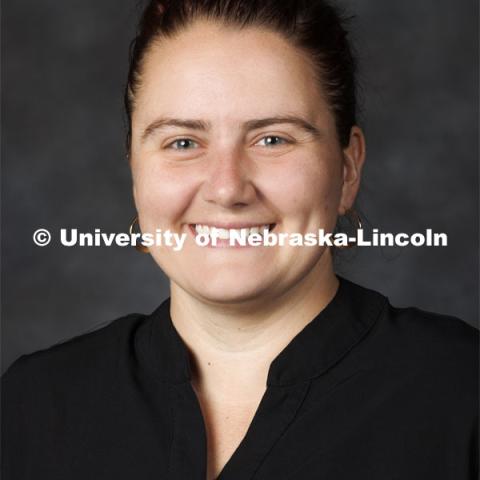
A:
{"points": [[232, 290]]}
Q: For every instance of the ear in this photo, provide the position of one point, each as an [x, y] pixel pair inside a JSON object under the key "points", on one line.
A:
{"points": [[134, 190], [353, 159]]}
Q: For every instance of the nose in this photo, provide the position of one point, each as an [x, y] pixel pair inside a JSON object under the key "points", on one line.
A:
{"points": [[229, 181]]}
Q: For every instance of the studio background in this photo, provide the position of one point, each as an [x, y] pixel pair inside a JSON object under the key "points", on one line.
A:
{"points": [[64, 67]]}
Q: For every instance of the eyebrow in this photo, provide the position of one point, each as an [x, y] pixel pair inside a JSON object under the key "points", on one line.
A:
{"points": [[249, 125]]}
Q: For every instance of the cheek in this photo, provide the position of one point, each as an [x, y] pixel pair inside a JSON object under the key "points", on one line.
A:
{"points": [[308, 187], [162, 195]]}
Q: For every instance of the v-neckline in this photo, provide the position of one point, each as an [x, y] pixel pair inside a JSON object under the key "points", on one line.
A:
{"points": [[188, 458], [329, 337], [212, 422]]}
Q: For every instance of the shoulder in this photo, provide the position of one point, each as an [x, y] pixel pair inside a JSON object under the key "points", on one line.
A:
{"points": [[53, 397], [433, 354], [414, 333], [434, 332], [90, 354]]}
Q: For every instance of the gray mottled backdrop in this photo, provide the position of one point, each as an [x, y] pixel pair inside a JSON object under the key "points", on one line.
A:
{"points": [[63, 70]]}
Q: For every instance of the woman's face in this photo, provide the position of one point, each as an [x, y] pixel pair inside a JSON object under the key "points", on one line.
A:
{"points": [[230, 130]]}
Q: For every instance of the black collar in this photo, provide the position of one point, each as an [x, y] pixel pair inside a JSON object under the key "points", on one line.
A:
{"points": [[321, 344]]}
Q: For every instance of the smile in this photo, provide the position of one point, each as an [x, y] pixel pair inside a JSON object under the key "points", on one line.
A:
{"points": [[227, 232]]}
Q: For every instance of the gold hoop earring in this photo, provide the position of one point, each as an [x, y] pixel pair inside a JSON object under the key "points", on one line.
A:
{"points": [[354, 218], [138, 246]]}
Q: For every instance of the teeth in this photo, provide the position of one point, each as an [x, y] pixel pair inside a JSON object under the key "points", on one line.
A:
{"points": [[224, 233], [221, 233], [200, 229]]}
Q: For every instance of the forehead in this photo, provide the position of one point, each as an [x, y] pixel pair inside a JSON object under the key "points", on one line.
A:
{"points": [[210, 70]]}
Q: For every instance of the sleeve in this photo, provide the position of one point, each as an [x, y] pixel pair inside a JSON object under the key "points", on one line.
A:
{"points": [[17, 393], [474, 451]]}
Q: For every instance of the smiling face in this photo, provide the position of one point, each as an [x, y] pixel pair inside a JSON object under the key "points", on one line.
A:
{"points": [[230, 130]]}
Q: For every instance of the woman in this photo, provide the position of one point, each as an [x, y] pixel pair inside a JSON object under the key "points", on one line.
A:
{"points": [[263, 363]]}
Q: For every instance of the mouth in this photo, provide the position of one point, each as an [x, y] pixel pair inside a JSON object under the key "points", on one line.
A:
{"points": [[226, 232]]}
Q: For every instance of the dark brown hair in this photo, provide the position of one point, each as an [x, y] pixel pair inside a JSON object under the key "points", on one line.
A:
{"points": [[315, 26]]}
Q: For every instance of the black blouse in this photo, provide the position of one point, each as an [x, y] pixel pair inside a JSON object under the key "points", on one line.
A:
{"points": [[364, 391]]}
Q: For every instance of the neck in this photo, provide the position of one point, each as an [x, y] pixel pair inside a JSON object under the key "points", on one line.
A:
{"points": [[231, 346]]}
